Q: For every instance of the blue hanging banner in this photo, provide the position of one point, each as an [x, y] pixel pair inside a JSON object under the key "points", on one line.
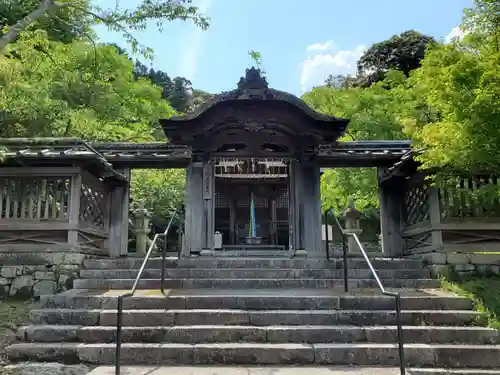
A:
{"points": [[253, 229]]}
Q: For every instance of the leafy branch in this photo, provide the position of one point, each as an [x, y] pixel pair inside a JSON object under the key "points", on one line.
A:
{"points": [[257, 59], [119, 20]]}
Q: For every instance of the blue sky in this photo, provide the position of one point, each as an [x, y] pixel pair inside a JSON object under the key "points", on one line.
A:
{"points": [[301, 42]]}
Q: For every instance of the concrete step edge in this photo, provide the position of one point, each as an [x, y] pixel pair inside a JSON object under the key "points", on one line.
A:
{"points": [[75, 345], [244, 311], [285, 370], [451, 371], [420, 355], [277, 279], [274, 327]]}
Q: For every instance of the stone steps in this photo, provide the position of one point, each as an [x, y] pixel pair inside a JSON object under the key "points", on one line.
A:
{"points": [[174, 317], [444, 371], [251, 283], [258, 311], [273, 299], [251, 253], [285, 370], [258, 273], [232, 262], [267, 334], [353, 354], [33, 368]]}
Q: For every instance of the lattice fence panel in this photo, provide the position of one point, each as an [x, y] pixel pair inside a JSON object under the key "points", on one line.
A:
{"points": [[471, 197], [416, 204], [94, 203], [415, 242], [44, 198]]}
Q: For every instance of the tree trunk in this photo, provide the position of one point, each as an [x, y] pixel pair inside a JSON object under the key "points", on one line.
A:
{"points": [[46, 6]]}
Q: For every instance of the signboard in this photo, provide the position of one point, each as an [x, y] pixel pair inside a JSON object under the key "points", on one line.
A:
{"points": [[207, 181]]}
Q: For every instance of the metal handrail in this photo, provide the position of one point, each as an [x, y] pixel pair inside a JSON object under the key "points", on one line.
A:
{"points": [[397, 296], [119, 313]]}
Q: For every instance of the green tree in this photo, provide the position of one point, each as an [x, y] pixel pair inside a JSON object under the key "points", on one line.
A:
{"points": [[76, 89], [403, 52], [178, 91], [340, 81], [374, 113], [198, 98], [463, 88], [64, 24], [483, 22], [115, 18], [180, 94], [460, 83], [161, 190]]}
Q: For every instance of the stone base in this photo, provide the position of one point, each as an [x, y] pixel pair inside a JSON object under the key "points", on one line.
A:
{"points": [[300, 254], [32, 274], [206, 253], [443, 263]]}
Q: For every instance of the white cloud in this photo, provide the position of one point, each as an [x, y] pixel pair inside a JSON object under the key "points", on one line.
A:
{"points": [[456, 32], [317, 68], [188, 62], [328, 45]]}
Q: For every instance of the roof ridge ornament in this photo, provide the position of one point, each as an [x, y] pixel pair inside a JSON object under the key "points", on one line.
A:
{"points": [[253, 86]]}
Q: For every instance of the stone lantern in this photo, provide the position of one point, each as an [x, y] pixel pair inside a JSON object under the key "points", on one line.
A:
{"points": [[141, 217], [352, 225]]}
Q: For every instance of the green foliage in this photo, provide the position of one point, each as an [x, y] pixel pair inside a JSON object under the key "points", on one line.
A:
{"points": [[402, 52], [180, 94], [448, 106], [13, 313], [482, 290], [89, 90], [483, 22], [461, 82], [76, 89], [161, 190], [64, 25], [115, 18], [340, 81], [374, 114], [463, 88], [178, 91], [257, 60]]}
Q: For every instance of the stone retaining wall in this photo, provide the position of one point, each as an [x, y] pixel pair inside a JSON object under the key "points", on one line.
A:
{"points": [[28, 274], [462, 263]]}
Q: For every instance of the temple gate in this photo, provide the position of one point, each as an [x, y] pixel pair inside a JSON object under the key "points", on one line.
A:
{"points": [[253, 158]]}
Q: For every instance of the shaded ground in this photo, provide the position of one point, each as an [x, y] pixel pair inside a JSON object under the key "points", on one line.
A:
{"points": [[13, 313], [484, 291]]}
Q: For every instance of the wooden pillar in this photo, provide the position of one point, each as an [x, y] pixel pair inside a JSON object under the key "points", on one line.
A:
{"points": [[311, 211], [391, 199], [208, 207], [74, 208], [194, 209], [118, 220], [435, 218], [274, 220], [232, 219], [293, 205]]}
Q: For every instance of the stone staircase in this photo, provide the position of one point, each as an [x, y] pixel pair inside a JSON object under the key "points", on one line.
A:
{"points": [[269, 311], [251, 273]]}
